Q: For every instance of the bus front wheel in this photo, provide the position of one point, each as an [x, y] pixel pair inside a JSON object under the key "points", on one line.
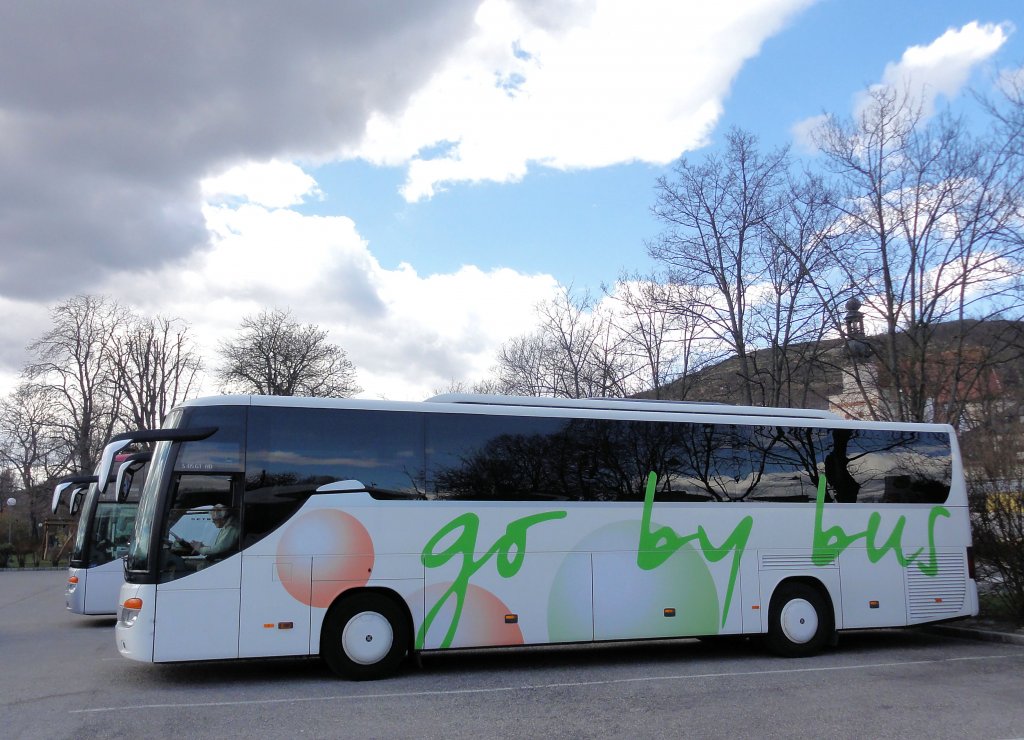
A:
{"points": [[365, 636], [800, 621]]}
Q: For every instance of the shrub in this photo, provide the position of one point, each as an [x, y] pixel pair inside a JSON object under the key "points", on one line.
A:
{"points": [[998, 521], [6, 550]]}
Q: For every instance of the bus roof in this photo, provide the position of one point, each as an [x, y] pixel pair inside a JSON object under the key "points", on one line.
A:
{"points": [[617, 408], [632, 404]]}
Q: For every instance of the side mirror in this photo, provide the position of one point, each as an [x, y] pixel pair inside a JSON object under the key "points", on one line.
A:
{"points": [[76, 500], [118, 443], [57, 492], [126, 474], [63, 484]]}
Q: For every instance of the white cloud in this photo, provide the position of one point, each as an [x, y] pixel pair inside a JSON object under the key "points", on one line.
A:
{"points": [[273, 184], [944, 66], [804, 131], [111, 118], [613, 83], [406, 333], [23, 321], [924, 73], [115, 124]]}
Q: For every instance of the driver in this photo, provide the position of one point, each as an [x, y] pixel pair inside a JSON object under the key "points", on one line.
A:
{"points": [[226, 522]]}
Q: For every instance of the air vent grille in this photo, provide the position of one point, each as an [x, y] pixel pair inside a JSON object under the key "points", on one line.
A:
{"points": [[941, 595]]}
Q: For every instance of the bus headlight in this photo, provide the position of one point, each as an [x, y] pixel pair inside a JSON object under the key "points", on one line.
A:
{"points": [[72, 584], [129, 612]]}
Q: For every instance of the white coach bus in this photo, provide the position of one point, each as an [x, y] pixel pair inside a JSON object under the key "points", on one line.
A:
{"points": [[105, 526], [366, 530]]}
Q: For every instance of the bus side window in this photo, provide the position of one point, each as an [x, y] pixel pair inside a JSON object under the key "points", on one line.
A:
{"points": [[888, 466]]}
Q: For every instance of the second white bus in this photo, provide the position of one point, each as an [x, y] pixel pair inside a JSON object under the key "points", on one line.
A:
{"points": [[105, 526]]}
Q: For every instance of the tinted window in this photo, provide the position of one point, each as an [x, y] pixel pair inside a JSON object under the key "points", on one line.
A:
{"points": [[293, 451], [500, 458], [781, 464], [78, 550], [885, 466], [545, 458], [221, 452], [705, 462], [516, 458]]}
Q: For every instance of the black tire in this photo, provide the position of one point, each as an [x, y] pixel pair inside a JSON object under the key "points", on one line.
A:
{"points": [[364, 637], [800, 621]]}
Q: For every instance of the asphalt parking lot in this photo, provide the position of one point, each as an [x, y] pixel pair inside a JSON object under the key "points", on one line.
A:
{"points": [[60, 676]]}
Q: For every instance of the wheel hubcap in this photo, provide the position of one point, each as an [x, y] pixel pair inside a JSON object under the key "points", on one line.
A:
{"points": [[799, 621], [367, 638]]}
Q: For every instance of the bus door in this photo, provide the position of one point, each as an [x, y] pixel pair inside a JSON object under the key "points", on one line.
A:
{"points": [[200, 569]]}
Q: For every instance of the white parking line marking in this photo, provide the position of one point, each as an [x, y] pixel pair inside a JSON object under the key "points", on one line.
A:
{"points": [[535, 687]]}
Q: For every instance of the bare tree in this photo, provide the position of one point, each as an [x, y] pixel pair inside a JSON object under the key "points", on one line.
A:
{"points": [[32, 451], [660, 332], [576, 352], [799, 294], [1007, 112], [571, 333], [523, 368], [72, 362], [724, 219], [487, 386], [932, 235], [157, 367], [993, 452], [31, 445], [275, 355]]}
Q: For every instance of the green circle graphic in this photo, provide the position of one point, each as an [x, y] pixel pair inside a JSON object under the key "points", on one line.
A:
{"points": [[630, 602]]}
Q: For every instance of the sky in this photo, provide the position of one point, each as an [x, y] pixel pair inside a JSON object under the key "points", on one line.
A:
{"points": [[413, 176]]}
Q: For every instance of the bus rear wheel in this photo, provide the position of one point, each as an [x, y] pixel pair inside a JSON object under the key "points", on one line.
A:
{"points": [[800, 621], [364, 637]]}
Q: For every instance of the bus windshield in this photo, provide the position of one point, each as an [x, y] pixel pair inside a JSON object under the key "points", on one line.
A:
{"points": [[139, 549], [80, 552], [196, 464], [105, 527], [112, 527]]}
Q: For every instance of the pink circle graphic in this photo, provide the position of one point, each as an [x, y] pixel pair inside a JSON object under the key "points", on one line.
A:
{"points": [[482, 621], [342, 550]]}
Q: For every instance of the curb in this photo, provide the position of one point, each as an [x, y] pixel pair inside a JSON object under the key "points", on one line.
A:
{"points": [[968, 633]]}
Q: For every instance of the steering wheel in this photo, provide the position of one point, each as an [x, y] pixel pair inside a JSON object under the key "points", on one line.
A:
{"points": [[179, 545]]}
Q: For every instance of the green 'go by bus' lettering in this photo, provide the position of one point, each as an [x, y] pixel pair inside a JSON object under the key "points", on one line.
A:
{"points": [[464, 545], [658, 546]]}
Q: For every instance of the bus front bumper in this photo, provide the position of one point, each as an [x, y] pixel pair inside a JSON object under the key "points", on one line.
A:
{"points": [[74, 590], [135, 621]]}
